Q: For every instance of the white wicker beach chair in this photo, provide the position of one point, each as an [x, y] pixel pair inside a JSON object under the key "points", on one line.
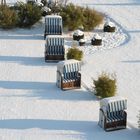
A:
{"points": [[54, 48], [68, 74], [53, 25], [112, 114]]}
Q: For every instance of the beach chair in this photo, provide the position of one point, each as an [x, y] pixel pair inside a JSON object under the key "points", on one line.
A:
{"points": [[112, 114], [54, 48], [53, 25], [68, 74]]}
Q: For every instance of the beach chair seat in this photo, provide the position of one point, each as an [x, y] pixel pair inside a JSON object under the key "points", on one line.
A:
{"points": [[68, 74]]}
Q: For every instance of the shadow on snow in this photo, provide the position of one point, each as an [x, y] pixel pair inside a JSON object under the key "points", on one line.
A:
{"points": [[131, 61], [32, 61], [34, 33], [80, 126], [87, 129], [44, 90]]}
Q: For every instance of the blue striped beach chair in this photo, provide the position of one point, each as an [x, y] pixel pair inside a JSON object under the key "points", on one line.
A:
{"points": [[54, 48], [53, 25], [68, 74], [112, 114]]}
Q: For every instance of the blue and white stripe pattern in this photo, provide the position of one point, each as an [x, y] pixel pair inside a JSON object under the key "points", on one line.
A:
{"points": [[55, 45], [70, 71], [112, 113], [115, 110], [117, 105], [53, 25]]}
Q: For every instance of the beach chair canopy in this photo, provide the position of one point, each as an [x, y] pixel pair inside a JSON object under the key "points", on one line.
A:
{"points": [[53, 25], [53, 20], [113, 104], [68, 66]]}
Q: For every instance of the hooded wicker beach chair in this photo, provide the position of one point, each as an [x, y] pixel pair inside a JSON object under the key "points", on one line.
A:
{"points": [[54, 48], [112, 114], [53, 25], [68, 74]]}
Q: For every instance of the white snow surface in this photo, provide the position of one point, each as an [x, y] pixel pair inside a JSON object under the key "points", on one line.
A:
{"points": [[96, 36], [111, 24], [33, 108]]}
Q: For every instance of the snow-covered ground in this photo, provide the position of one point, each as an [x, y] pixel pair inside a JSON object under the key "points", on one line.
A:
{"points": [[32, 107]]}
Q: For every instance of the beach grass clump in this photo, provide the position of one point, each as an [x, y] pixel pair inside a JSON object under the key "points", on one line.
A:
{"points": [[28, 14], [105, 85], [75, 53], [8, 17], [75, 16]]}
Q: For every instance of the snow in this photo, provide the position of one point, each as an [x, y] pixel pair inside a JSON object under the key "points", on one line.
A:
{"points": [[53, 16], [78, 33], [82, 40], [32, 107], [96, 36], [67, 62], [54, 36], [111, 24], [47, 9]]}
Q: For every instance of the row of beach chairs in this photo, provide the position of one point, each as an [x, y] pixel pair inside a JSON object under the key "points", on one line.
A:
{"points": [[68, 71], [54, 47], [112, 114]]}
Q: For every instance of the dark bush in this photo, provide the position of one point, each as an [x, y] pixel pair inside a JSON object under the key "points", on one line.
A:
{"points": [[28, 14], [91, 19], [75, 16], [8, 17], [105, 85], [75, 53]]}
